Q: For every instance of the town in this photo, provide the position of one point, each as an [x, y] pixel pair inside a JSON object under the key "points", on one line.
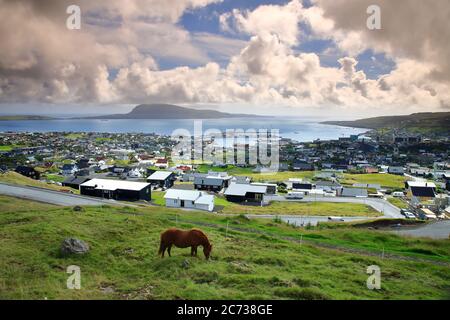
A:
{"points": [[398, 175]]}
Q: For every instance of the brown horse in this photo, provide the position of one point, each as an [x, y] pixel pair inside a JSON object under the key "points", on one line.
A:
{"points": [[183, 239]]}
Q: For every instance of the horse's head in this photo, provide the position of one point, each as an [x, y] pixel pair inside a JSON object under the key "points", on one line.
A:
{"points": [[207, 250]]}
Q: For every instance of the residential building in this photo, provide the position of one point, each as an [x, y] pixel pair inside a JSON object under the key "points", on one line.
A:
{"points": [[246, 193], [162, 179], [193, 199], [116, 189], [28, 172]]}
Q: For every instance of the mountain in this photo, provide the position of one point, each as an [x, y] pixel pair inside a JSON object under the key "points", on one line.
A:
{"points": [[169, 111], [424, 122], [24, 117]]}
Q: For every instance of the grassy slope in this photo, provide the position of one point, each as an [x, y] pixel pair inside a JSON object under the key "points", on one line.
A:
{"points": [[9, 204], [383, 179], [298, 208], [398, 202], [15, 178], [123, 257]]}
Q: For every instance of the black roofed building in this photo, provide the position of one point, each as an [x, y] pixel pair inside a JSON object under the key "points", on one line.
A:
{"points": [[162, 179], [116, 189], [75, 181], [28, 172], [211, 183], [246, 193]]}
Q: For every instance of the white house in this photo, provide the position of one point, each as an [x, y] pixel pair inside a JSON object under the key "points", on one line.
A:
{"points": [[189, 199]]}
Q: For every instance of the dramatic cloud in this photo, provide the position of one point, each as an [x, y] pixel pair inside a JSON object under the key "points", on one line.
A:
{"points": [[114, 57]]}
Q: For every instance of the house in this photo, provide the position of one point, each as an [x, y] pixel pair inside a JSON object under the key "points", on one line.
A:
{"points": [[69, 169], [75, 181], [211, 183], [421, 190], [162, 179], [302, 166], [162, 163], [119, 171], [328, 186], [352, 192], [176, 198], [190, 177], [136, 172], [28, 172], [241, 179], [83, 163], [116, 189], [446, 177], [271, 187], [245, 193], [396, 170]]}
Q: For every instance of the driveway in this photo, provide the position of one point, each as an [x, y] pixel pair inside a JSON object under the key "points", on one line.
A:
{"points": [[52, 197]]}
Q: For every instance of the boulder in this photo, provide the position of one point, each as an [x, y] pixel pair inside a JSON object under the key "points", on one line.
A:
{"points": [[74, 246]]}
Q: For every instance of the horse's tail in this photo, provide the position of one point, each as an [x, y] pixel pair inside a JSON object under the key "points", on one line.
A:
{"points": [[161, 248]]}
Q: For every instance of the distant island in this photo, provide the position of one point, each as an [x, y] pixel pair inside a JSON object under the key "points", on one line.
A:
{"points": [[169, 111], [24, 117], [424, 122]]}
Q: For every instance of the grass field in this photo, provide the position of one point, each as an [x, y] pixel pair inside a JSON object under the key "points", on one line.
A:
{"points": [[15, 178], [10, 147], [398, 203], [10, 204], [383, 179], [123, 264], [298, 208], [55, 177]]}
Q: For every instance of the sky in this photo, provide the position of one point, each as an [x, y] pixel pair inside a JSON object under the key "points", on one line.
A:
{"points": [[311, 57]]}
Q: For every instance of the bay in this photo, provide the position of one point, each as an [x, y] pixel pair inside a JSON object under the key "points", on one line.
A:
{"points": [[295, 128]]}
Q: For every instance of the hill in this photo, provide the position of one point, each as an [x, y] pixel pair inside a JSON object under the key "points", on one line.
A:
{"points": [[426, 122], [24, 117], [169, 111], [251, 259]]}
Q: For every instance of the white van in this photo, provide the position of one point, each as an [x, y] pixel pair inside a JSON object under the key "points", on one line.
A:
{"points": [[295, 195], [398, 194]]}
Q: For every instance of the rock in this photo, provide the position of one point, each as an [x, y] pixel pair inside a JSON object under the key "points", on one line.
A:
{"points": [[73, 245], [185, 264], [77, 209]]}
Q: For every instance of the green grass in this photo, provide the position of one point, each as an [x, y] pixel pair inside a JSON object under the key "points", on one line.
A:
{"points": [[158, 198], [55, 177], [398, 202], [124, 242], [10, 147], [384, 179], [11, 204], [16, 178], [74, 136], [282, 176], [299, 208]]}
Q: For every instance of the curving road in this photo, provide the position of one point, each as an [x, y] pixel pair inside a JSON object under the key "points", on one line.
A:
{"points": [[52, 197]]}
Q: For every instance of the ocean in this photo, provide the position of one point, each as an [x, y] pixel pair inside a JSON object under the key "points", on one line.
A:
{"points": [[294, 128]]}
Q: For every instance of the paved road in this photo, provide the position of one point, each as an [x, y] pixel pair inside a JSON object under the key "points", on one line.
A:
{"points": [[380, 205], [53, 197], [436, 230]]}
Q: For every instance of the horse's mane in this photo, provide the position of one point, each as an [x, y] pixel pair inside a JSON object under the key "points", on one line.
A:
{"points": [[200, 232]]}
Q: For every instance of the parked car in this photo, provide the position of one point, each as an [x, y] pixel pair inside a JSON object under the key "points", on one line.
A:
{"points": [[398, 194], [409, 215], [330, 218]]}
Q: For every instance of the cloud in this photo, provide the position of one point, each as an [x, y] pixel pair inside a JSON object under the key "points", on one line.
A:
{"points": [[113, 59]]}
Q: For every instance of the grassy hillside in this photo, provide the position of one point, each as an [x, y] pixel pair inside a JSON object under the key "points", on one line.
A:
{"points": [[426, 122], [9, 204], [16, 178], [263, 260], [383, 179]]}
